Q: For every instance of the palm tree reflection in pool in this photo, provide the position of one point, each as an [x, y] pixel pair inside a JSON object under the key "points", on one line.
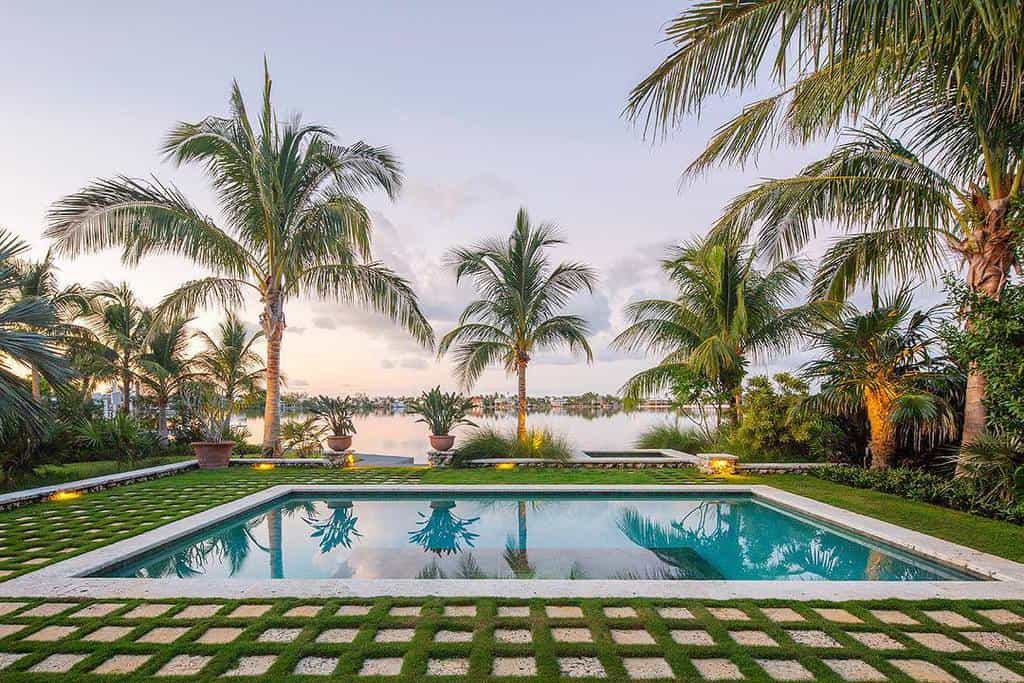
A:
{"points": [[443, 532], [338, 529]]}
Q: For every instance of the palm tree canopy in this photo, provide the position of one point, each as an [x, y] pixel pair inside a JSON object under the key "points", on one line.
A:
{"points": [[726, 311], [165, 365], [291, 222], [228, 359], [521, 295], [120, 323]]}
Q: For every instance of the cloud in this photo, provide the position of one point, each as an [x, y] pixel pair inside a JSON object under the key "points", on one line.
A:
{"points": [[324, 322], [387, 364], [446, 201], [414, 364]]}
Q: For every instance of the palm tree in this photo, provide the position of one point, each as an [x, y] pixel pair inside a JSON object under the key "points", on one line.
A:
{"points": [[947, 75], [292, 227], [521, 294], [24, 340], [121, 326], [228, 361], [164, 369], [881, 361], [725, 312]]}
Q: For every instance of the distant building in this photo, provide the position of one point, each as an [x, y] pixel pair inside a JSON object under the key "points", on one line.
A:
{"points": [[109, 402]]}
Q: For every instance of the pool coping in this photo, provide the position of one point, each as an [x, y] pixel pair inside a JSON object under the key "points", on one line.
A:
{"points": [[69, 577]]}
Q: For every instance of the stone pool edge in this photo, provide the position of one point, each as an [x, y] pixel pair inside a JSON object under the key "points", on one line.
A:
{"points": [[69, 577]]}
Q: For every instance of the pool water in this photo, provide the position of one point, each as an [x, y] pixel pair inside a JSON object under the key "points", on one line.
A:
{"points": [[731, 537]]}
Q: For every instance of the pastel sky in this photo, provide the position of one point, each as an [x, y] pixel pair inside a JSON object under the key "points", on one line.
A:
{"points": [[490, 106]]}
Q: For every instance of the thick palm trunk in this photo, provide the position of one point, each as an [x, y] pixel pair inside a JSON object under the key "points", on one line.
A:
{"points": [[882, 443], [37, 388], [273, 324], [521, 426], [126, 392], [161, 424]]}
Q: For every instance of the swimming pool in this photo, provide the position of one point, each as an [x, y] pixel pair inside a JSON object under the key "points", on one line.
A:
{"points": [[636, 537]]}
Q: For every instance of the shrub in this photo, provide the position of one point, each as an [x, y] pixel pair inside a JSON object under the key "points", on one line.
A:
{"points": [[335, 413], [123, 437], [773, 427], [440, 411], [674, 437], [490, 443]]}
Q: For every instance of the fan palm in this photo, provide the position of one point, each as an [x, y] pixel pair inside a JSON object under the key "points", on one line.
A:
{"points": [[521, 294], [121, 326], [725, 312], [881, 361], [164, 368], [228, 361], [292, 225], [947, 74]]}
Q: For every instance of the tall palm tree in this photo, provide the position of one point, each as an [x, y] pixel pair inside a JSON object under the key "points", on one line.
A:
{"points": [[882, 362], [229, 362], [121, 325], [725, 312], [521, 294], [947, 74], [292, 225], [24, 341], [164, 368]]}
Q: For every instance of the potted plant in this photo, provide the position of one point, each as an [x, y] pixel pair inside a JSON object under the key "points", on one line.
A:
{"points": [[336, 413], [441, 412], [211, 419]]}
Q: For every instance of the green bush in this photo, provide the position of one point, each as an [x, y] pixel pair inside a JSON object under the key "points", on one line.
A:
{"points": [[490, 443], [674, 437], [773, 428]]}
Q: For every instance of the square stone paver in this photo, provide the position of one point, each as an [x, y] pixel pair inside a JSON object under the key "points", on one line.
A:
{"points": [[854, 670], [994, 641], [514, 666], [198, 612], [163, 634], [108, 634], [8, 607], [581, 667], [728, 614], [460, 610], [938, 642], [785, 669], [753, 638], [249, 611], [121, 664], [675, 613], [572, 635], [352, 610], [1003, 617], [563, 611], [632, 636], [992, 672], [457, 666], [51, 633], [950, 618], [892, 616], [876, 641], [514, 611], [252, 665], [692, 637], [409, 611], [640, 668], [57, 664], [10, 629], [920, 670], [840, 616], [813, 638], [100, 609], [394, 635], [219, 635], [8, 658], [338, 635], [717, 669], [316, 666], [279, 635], [620, 612], [782, 614], [453, 636], [147, 611], [48, 609], [303, 611], [523, 635], [383, 666]]}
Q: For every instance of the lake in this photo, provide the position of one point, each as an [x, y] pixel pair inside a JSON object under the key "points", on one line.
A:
{"points": [[399, 434]]}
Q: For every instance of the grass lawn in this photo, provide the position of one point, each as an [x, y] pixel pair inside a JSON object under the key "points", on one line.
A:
{"points": [[481, 638], [47, 475]]}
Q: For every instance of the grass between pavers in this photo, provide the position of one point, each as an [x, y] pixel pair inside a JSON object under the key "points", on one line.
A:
{"points": [[49, 475], [971, 633]]}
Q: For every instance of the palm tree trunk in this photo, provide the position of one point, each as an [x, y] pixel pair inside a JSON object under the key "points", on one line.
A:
{"points": [[521, 427], [882, 443], [274, 542], [126, 391], [272, 320], [521, 519], [37, 388], [161, 423]]}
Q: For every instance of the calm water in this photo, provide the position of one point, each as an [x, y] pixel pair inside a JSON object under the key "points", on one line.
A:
{"points": [[691, 537], [400, 434]]}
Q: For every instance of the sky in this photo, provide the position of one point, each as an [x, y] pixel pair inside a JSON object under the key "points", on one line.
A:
{"points": [[489, 107]]}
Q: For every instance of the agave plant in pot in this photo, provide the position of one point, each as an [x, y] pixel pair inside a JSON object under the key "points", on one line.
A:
{"points": [[441, 412], [210, 418], [337, 414]]}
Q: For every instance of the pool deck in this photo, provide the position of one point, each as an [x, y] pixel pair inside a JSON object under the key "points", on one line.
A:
{"points": [[70, 578]]}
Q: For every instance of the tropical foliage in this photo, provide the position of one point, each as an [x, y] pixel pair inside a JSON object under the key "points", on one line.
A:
{"points": [[335, 413], [441, 411], [492, 443]]}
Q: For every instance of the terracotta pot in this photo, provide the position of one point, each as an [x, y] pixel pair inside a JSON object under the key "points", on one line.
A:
{"points": [[339, 443], [213, 455], [442, 443]]}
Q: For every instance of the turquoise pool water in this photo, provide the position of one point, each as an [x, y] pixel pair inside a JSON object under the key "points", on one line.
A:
{"points": [[710, 536]]}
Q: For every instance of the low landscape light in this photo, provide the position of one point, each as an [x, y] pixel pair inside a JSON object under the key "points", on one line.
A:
{"points": [[263, 466], [505, 466], [65, 495], [721, 466]]}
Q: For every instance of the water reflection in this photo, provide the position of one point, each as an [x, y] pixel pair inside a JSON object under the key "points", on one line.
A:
{"points": [[339, 529], [443, 532]]}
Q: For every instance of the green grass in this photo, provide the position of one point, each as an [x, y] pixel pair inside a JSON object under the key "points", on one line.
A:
{"points": [[48, 475], [556, 475]]}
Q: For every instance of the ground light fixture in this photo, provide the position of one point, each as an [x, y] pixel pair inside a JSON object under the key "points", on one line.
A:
{"points": [[505, 466], [263, 466], [60, 496]]}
